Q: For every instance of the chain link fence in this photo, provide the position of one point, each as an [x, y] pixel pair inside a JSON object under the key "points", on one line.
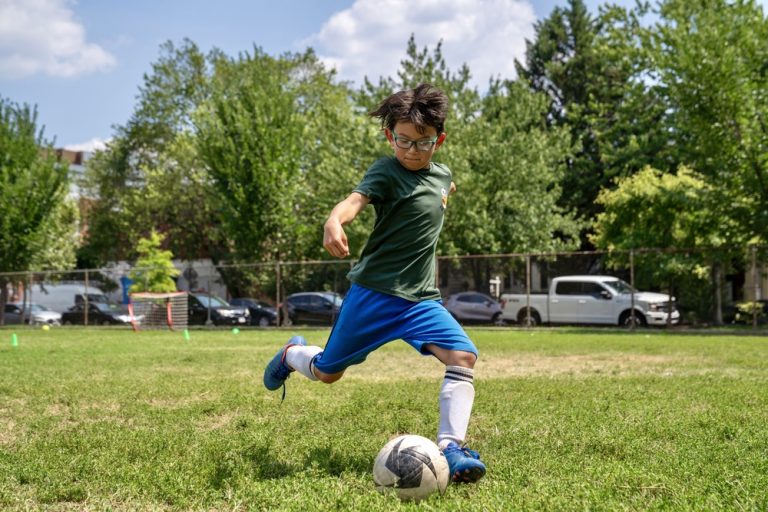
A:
{"points": [[710, 287]]}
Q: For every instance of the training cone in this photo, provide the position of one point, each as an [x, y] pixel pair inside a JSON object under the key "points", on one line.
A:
{"points": [[235, 330], [14, 340], [186, 334]]}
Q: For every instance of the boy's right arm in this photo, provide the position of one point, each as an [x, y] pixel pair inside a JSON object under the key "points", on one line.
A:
{"points": [[334, 238]]}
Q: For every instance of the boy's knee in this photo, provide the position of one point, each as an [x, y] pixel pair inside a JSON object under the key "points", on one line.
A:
{"points": [[328, 378], [466, 359]]}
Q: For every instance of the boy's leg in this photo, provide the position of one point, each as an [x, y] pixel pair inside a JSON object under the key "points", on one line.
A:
{"points": [[364, 323], [457, 395], [278, 369], [432, 330]]}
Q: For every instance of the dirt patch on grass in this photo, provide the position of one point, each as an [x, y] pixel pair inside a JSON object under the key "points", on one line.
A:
{"points": [[587, 365], [391, 366]]}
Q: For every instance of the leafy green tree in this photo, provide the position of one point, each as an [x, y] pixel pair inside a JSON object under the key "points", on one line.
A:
{"points": [[659, 210], [253, 138], [56, 246], [154, 271], [150, 176], [709, 59], [561, 63], [507, 202], [587, 67], [32, 187]]}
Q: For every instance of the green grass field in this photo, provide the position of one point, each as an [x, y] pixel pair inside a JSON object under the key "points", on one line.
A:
{"points": [[107, 419]]}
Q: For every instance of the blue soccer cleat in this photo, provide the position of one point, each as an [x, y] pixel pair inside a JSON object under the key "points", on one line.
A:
{"points": [[276, 372], [465, 464]]}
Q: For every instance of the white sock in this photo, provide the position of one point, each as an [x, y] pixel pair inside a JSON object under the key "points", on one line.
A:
{"points": [[457, 395], [300, 359]]}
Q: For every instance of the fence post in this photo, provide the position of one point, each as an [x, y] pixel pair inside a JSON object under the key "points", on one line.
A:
{"points": [[632, 284], [278, 285], [756, 284], [28, 290], [85, 300], [527, 290]]}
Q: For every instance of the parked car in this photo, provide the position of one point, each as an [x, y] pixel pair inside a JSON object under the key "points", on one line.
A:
{"points": [[99, 313], [591, 299], [61, 296], [312, 307], [201, 305], [262, 314], [474, 307], [35, 314]]}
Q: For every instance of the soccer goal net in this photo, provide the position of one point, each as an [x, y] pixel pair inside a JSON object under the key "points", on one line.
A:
{"points": [[158, 310]]}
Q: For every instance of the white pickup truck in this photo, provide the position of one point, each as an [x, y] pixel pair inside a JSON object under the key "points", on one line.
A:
{"points": [[590, 300]]}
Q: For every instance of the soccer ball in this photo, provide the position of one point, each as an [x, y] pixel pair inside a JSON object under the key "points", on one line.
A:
{"points": [[412, 467]]}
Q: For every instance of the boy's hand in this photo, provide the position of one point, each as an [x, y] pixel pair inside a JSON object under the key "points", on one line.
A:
{"points": [[335, 239]]}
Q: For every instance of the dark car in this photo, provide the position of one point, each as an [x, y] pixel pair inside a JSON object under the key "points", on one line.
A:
{"points": [[99, 313], [312, 307], [203, 306], [262, 314], [474, 307]]}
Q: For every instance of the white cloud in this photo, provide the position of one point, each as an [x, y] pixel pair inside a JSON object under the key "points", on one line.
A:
{"points": [[43, 36], [92, 145], [369, 38]]}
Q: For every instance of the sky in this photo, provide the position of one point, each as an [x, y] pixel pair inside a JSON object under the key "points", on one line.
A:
{"points": [[81, 62]]}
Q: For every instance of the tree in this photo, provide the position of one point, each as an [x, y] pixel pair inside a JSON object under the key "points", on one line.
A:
{"points": [[150, 175], [508, 187], [709, 59], [253, 138], [561, 63], [585, 66], [154, 270], [56, 246], [32, 187], [652, 209]]}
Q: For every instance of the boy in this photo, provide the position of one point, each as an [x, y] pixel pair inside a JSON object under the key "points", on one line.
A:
{"points": [[393, 294]]}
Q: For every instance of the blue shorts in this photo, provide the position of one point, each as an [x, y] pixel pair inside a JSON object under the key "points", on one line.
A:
{"points": [[369, 319]]}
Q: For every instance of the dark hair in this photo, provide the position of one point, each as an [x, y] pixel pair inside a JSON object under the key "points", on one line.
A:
{"points": [[423, 106]]}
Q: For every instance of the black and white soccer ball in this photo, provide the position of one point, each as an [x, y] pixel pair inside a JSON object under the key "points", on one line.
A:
{"points": [[412, 467]]}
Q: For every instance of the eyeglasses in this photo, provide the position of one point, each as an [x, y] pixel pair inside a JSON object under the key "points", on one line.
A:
{"points": [[423, 145]]}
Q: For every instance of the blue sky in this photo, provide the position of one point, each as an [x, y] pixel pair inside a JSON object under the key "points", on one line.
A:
{"points": [[82, 62]]}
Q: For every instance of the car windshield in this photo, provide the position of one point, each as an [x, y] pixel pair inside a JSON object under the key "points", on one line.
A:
{"points": [[620, 286], [37, 308], [108, 308], [212, 301], [334, 298]]}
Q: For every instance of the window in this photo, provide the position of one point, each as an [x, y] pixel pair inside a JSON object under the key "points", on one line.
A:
{"points": [[568, 288], [593, 289]]}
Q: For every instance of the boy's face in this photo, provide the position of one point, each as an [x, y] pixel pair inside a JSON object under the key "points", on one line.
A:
{"points": [[414, 158]]}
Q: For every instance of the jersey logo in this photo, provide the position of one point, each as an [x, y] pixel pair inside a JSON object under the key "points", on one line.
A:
{"points": [[444, 201]]}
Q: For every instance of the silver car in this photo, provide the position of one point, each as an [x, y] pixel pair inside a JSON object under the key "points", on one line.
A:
{"points": [[474, 307], [35, 314]]}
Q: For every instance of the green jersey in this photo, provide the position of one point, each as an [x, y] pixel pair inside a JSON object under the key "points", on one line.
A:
{"points": [[399, 257]]}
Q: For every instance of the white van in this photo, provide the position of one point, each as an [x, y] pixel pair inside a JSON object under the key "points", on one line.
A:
{"points": [[61, 296]]}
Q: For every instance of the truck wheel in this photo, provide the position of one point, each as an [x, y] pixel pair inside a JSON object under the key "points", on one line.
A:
{"points": [[626, 319], [533, 321]]}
